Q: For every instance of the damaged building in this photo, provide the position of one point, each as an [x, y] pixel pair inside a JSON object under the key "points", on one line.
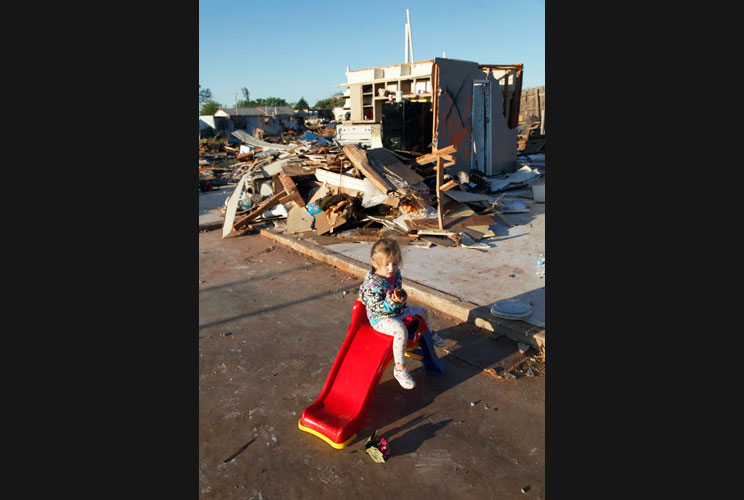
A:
{"points": [[259, 121], [424, 152], [475, 108]]}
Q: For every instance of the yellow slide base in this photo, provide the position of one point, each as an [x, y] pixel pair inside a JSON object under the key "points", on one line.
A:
{"points": [[324, 438]]}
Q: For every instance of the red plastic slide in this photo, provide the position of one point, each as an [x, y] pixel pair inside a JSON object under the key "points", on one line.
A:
{"points": [[338, 413]]}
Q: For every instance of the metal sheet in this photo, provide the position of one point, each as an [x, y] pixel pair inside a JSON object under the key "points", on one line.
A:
{"points": [[249, 139]]}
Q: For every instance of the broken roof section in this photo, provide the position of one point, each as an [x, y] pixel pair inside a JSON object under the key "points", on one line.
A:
{"points": [[472, 106]]}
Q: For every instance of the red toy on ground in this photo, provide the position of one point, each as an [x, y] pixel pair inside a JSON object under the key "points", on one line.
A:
{"points": [[338, 413]]}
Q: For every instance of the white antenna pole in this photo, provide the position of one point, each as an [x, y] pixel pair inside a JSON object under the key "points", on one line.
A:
{"points": [[405, 35], [408, 34]]}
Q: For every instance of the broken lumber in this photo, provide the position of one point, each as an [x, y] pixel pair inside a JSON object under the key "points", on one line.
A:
{"points": [[291, 189], [473, 220], [448, 185], [440, 176], [432, 157], [358, 158], [387, 160], [259, 209], [349, 185]]}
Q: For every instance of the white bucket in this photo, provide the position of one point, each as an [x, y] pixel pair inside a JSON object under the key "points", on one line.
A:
{"points": [[538, 193], [399, 96]]}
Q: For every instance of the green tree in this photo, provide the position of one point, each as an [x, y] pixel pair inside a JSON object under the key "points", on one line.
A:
{"points": [[271, 101], [336, 100], [209, 108], [246, 101], [301, 104], [205, 95]]}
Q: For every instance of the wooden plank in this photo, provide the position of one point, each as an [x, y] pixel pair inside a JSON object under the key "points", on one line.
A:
{"points": [[358, 158], [473, 220], [387, 160], [335, 179], [440, 176], [431, 157], [293, 170], [439, 240], [291, 189], [259, 209], [448, 185]]}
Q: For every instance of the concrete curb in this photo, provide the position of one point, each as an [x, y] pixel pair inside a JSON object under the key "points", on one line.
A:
{"points": [[461, 310]]}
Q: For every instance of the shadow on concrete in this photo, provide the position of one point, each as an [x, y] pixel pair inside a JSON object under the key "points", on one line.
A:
{"points": [[392, 403], [491, 242], [349, 288], [411, 440], [255, 278]]}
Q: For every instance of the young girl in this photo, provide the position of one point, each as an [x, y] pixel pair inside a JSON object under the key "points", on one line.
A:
{"points": [[382, 293]]}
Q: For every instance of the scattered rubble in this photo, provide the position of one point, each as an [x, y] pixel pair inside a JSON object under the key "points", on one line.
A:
{"points": [[530, 139], [314, 187]]}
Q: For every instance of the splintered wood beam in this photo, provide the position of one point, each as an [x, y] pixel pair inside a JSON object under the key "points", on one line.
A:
{"points": [[388, 163], [471, 220], [431, 157], [433, 168], [448, 185], [291, 189], [440, 176], [445, 165], [259, 209], [359, 159]]}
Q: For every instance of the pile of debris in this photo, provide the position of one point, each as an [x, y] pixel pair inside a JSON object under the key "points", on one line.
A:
{"points": [[320, 190], [216, 163], [530, 139]]}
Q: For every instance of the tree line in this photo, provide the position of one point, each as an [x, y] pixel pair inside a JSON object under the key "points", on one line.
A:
{"points": [[208, 106]]}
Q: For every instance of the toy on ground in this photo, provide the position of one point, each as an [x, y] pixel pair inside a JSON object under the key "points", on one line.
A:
{"points": [[338, 413]]}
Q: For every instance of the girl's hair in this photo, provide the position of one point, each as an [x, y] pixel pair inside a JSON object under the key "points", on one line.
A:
{"points": [[386, 247]]}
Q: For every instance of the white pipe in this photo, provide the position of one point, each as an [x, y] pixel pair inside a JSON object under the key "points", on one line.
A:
{"points": [[410, 36], [405, 35]]}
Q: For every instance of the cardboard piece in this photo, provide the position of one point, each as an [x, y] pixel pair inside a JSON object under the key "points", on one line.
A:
{"points": [[299, 220], [321, 223]]}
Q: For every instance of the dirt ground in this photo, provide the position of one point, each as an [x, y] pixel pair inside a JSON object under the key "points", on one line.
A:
{"points": [[270, 324]]}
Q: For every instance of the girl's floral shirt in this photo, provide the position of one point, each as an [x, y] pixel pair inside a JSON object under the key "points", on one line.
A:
{"points": [[375, 294]]}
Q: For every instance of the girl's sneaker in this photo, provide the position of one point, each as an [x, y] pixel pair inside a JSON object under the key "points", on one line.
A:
{"points": [[404, 378], [437, 340]]}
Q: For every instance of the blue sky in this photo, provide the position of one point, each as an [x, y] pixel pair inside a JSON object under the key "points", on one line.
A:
{"points": [[292, 49]]}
